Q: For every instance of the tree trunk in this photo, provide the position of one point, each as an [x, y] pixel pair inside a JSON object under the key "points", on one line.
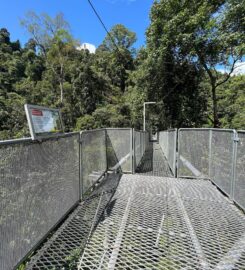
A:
{"points": [[61, 83], [216, 123], [61, 91]]}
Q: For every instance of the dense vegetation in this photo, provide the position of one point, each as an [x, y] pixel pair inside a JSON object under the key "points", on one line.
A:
{"points": [[186, 43]]}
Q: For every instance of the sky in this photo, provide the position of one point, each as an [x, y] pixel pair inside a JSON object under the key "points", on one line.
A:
{"points": [[134, 14]]}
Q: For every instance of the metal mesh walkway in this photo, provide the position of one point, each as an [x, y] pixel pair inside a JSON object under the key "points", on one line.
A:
{"points": [[166, 223], [154, 162], [144, 221], [63, 248]]}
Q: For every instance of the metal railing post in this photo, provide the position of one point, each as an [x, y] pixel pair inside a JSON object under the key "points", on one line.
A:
{"points": [[234, 160], [178, 153], [106, 150], [133, 150], [175, 150], [210, 153], [80, 167], [142, 143]]}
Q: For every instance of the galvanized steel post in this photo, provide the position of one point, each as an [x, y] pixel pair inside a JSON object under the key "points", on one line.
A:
{"points": [[175, 150], [234, 159], [133, 150], [210, 153], [178, 153], [80, 167]]}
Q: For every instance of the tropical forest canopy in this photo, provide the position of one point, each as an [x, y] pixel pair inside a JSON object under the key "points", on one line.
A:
{"points": [[187, 44]]}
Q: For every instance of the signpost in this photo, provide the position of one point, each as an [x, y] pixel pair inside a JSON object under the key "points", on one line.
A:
{"points": [[43, 122]]}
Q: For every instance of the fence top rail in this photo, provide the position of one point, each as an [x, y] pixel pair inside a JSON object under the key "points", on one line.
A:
{"points": [[29, 139], [170, 129], [15, 141], [92, 130], [119, 128], [241, 131], [213, 129], [142, 131]]}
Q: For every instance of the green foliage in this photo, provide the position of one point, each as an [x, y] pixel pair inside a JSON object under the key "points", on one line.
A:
{"points": [[232, 103], [115, 55], [44, 29], [119, 37], [177, 69], [203, 33], [107, 116], [85, 122]]}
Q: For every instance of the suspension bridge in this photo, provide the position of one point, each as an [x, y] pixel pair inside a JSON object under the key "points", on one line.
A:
{"points": [[115, 199]]}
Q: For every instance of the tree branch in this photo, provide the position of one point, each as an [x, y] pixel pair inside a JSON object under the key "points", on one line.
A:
{"points": [[229, 74]]}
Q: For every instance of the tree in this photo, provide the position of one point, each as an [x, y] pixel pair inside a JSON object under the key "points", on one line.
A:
{"points": [[115, 55], [52, 37], [208, 33], [172, 82], [43, 28], [58, 56], [231, 103], [119, 37], [11, 71]]}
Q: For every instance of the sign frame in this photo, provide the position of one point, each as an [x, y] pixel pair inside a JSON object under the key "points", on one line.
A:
{"points": [[40, 136]]}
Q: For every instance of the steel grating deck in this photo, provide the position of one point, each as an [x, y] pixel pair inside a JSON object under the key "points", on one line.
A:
{"points": [[154, 162], [166, 223], [64, 247], [148, 222]]}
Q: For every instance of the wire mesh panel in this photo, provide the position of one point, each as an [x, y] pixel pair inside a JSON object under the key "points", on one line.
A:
{"points": [[137, 147], [193, 152], [171, 153], [39, 184], [119, 149], [93, 157], [167, 141], [239, 186], [147, 140], [163, 141], [222, 159], [141, 142]]}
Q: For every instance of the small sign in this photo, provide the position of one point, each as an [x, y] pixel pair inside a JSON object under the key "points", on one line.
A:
{"points": [[43, 122]]}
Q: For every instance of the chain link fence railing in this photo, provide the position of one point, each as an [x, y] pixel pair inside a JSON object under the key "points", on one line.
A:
{"points": [[141, 142], [40, 182], [239, 185], [193, 151], [120, 149], [222, 159], [168, 143], [217, 154], [39, 185], [137, 147], [93, 157]]}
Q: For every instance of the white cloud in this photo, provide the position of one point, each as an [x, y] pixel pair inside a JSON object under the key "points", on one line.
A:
{"points": [[87, 46], [239, 69]]}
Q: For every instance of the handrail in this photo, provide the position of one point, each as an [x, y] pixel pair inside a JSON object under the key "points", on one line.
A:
{"points": [[216, 156]]}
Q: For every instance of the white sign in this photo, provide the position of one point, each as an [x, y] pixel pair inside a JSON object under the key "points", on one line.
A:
{"points": [[43, 122]]}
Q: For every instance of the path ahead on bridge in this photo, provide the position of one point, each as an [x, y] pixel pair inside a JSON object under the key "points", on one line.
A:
{"points": [[154, 162], [152, 221]]}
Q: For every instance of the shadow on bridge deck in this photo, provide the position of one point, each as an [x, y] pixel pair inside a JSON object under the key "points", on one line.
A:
{"points": [[147, 222], [154, 162]]}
